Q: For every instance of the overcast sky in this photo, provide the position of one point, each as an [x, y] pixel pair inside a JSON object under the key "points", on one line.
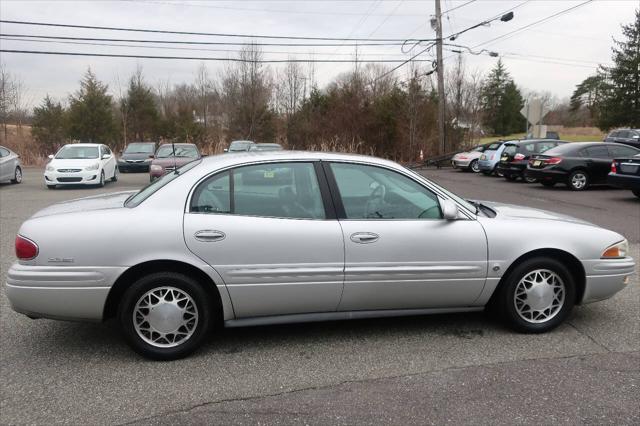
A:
{"points": [[552, 56]]}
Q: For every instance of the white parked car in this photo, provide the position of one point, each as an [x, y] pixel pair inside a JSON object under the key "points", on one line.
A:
{"points": [[81, 164]]}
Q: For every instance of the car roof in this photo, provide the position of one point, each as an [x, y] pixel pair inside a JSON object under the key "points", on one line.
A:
{"points": [[178, 144], [231, 159], [84, 144], [524, 141]]}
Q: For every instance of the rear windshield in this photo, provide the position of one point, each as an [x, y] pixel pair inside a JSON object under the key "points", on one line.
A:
{"points": [[564, 149], [510, 150], [166, 151], [154, 186], [140, 148]]}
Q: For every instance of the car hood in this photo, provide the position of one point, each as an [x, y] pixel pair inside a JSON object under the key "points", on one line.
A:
{"points": [[135, 156], [512, 211], [112, 200], [179, 161], [77, 163]]}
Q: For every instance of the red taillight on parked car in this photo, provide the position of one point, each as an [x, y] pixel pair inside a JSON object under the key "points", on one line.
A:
{"points": [[25, 248], [613, 167], [518, 157], [553, 160]]}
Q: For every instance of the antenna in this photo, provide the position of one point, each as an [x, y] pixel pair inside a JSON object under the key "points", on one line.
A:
{"points": [[173, 147]]}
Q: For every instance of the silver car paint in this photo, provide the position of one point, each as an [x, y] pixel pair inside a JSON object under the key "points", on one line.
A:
{"points": [[456, 274], [8, 165]]}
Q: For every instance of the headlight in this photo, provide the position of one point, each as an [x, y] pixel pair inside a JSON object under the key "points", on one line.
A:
{"points": [[156, 168], [50, 168], [93, 167], [616, 251]]}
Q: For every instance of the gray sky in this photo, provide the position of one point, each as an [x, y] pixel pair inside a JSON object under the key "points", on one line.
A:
{"points": [[553, 56]]}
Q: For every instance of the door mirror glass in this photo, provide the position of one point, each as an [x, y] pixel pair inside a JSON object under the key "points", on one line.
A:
{"points": [[449, 209], [105, 156]]}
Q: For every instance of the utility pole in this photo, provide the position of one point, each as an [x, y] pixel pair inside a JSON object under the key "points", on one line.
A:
{"points": [[442, 148]]}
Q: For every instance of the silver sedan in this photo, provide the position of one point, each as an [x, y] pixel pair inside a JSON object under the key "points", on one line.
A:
{"points": [[277, 237]]}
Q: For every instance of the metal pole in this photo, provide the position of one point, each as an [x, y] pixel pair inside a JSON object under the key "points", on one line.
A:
{"points": [[441, 96]]}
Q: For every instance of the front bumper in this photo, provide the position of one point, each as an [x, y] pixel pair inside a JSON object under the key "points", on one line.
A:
{"points": [[486, 165], [125, 166], [460, 164], [624, 181], [606, 277], [84, 177], [60, 292]]}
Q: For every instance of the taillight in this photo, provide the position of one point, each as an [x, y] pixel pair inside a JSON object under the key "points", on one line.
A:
{"points": [[25, 248], [553, 160], [518, 157], [613, 167]]}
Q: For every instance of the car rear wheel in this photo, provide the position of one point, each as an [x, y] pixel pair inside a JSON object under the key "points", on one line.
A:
{"points": [[578, 180], [528, 179], [165, 315], [474, 167], [537, 295], [17, 175]]}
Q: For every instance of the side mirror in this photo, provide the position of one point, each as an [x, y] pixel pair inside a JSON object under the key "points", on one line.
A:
{"points": [[50, 156], [449, 209], [105, 156], [226, 150], [635, 137]]}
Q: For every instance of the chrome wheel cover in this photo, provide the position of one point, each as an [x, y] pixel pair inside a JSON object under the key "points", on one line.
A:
{"points": [[539, 296], [475, 167], [578, 180], [165, 317], [18, 175]]}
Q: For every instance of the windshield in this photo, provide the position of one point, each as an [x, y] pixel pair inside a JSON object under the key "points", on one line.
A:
{"points": [[239, 146], [154, 186], [494, 146], [480, 148], [77, 152], [140, 148], [166, 151]]}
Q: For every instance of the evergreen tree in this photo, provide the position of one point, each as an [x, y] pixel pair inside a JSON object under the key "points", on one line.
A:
{"points": [[501, 102], [90, 112], [621, 106], [141, 112], [590, 95], [49, 126]]}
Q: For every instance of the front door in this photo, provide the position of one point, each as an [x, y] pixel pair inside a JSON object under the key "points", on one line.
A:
{"points": [[266, 231], [399, 252]]}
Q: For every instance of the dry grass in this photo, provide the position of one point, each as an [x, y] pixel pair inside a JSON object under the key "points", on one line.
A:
{"points": [[571, 134]]}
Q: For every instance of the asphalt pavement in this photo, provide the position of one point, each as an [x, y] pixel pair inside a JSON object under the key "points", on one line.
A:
{"points": [[459, 369]]}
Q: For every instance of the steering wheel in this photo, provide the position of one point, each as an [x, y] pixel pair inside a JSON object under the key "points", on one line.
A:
{"points": [[375, 202]]}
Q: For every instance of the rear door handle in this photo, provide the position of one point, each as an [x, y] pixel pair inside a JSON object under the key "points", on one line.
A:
{"points": [[209, 235], [364, 237]]}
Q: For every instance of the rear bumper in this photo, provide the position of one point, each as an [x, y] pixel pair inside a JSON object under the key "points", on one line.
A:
{"points": [[624, 181], [60, 292], [606, 277], [511, 169], [546, 175]]}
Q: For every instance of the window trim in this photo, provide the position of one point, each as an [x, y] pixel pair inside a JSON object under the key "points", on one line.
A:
{"points": [[329, 210], [337, 199]]}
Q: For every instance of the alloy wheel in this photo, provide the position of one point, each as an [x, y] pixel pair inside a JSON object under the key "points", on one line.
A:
{"points": [[18, 175], [578, 180], [165, 317], [475, 168], [539, 296]]}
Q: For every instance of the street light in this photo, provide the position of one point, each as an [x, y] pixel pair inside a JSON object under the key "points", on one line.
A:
{"points": [[504, 18]]}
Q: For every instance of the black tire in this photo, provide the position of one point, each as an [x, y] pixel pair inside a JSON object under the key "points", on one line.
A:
{"points": [[506, 302], [527, 179], [511, 178], [636, 192], [578, 180], [102, 181], [473, 166], [115, 175], [17, 175], [547, 183], [158, 280]]}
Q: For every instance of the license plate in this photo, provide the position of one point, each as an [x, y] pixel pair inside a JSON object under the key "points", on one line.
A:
{"points": [[537, 163]]}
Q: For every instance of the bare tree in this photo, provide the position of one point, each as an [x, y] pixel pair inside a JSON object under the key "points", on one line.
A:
{"points": [[7, 95], [291, 89]]}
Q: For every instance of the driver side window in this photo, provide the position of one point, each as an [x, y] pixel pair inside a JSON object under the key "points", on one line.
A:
{"points": [[370, 192]]}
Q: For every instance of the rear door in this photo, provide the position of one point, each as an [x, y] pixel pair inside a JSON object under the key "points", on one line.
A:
{"points": [[5, 164], [399, 251], [598, 160], [270, 233]]}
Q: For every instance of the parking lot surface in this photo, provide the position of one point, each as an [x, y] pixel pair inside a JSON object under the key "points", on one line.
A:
{"points": [[464, 368]]}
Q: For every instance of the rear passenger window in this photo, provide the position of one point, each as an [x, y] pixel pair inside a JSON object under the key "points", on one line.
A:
{"points": [[596, 152], [622, 151], [283, 190]]}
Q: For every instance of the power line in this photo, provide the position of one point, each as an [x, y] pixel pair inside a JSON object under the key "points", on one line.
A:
{"points": [[81, 43], [253, 36], [213, 43], [457, 7], [206, 58]]}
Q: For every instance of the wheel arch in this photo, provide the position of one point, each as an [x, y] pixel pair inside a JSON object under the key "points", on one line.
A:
{"points": [[570, 261], [135, 272]]}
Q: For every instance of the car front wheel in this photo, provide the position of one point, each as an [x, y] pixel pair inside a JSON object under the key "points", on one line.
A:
{"points": [[578, 181], [537, 295], [165, 315], [17, 175], [474, 167]]}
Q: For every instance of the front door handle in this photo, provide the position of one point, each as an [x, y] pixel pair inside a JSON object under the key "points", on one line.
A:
{"points": [[208, 235], [364, 237]]}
